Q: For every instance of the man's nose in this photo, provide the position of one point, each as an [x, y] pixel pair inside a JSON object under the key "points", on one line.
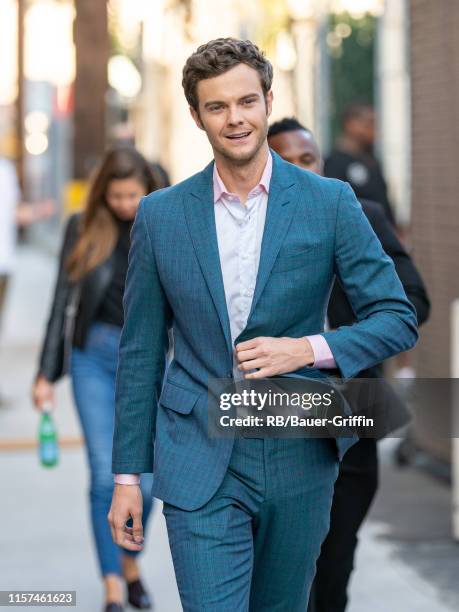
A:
{"points": [[235, 116]]}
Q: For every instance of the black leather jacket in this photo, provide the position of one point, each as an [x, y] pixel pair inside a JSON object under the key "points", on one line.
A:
{"points": [[93, 289]]}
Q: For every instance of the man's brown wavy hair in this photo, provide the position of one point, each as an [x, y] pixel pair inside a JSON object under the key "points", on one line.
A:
{"points": [[98, 230], [218, 56]]}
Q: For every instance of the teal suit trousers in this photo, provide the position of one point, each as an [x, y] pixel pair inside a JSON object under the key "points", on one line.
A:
{"points": [[254, 544]]}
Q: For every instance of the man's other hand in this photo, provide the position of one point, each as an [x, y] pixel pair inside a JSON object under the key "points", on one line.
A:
{"points": [[127, 503]]}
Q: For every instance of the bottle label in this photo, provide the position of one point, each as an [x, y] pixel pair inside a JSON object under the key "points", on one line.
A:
{"points": [[48, 453]]}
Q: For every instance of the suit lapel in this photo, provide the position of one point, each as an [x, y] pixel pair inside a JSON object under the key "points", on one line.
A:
{"points": [[281, 206], [200, 216]]}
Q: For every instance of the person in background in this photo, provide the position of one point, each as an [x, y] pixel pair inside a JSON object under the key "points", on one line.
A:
{"points": [[357, 481], [160, 175], [92, 271], [353, 159], [14, 214], [123, 134]]}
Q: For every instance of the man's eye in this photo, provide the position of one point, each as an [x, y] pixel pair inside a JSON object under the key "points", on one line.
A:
{"points": [[250, 101], [214, 108]]}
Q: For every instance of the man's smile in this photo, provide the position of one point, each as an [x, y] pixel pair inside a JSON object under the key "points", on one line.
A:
{"points": [[239, 135]]}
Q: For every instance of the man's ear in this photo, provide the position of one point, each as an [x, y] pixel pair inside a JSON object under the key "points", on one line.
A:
{"points": [[269, 102], [194, 113]]}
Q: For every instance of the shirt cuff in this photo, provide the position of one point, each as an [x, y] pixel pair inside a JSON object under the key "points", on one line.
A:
{"points": [[127, 479], [323, 357]]}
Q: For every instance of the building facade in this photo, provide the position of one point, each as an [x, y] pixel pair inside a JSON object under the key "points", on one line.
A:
{"points": [[434, 58]]}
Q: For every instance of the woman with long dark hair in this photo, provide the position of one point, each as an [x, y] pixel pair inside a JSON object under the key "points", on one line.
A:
{"points": [[83, 336]]}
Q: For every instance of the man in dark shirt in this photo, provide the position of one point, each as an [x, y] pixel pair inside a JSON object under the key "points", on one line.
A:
{"points": [[357, 482], [353, 160]]}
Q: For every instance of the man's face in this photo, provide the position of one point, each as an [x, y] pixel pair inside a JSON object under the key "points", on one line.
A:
{"points": [[234, 113], [363, 128], [298, 147]]}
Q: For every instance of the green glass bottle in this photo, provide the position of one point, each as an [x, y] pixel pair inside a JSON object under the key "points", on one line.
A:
{"points": [[47, 439]]}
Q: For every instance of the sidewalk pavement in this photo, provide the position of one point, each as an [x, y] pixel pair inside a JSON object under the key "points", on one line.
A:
{"points": [[406, 562]]}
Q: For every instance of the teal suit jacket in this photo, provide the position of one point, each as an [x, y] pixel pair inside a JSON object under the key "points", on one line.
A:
{"points": [[314, 229]]}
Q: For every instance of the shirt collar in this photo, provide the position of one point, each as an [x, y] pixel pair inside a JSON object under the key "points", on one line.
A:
{"points": [[220, 189]]}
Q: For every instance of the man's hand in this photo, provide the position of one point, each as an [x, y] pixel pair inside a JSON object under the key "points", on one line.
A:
{"points": [[126, 503], [273, 356]]}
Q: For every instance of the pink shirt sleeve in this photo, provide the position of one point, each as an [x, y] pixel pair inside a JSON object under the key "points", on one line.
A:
{"points": [[127, 479], [323, 357]]}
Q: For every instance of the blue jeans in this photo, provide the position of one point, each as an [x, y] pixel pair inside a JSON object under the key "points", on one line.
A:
{"points": [[93, 372]]}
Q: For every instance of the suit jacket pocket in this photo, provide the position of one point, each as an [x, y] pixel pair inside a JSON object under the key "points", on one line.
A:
{"points": [[292, 260], [178, 398]]}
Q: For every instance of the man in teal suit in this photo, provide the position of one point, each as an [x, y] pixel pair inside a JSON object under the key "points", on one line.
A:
{"points": [[239, 261]]}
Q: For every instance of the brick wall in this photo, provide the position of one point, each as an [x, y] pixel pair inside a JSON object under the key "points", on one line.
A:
{"points": [[434, 51]]}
